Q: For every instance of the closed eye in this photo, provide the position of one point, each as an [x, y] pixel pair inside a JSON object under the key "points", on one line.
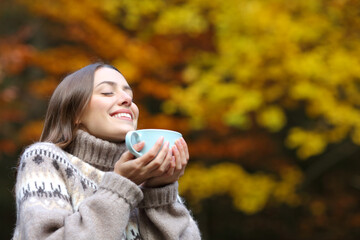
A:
{"points": [[107, 93]]}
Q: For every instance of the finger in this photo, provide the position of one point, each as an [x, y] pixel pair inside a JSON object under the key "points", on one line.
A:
{"points": [[177, 156], [151, 154], [185, 148], [168, 159], [156, 162], [182, 152], [139, 146], [123, 163], [182, 172], [165, 164], [126, 156], [171, 169]]}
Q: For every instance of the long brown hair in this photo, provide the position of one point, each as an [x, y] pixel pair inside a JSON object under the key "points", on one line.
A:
{"points": [[67, 104]]}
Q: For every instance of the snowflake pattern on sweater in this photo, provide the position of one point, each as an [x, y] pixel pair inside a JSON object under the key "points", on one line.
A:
{"points": [[74, 194], [53, 179]]}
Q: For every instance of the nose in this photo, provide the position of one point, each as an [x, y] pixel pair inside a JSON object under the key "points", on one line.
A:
{"points": [[124, 99]]}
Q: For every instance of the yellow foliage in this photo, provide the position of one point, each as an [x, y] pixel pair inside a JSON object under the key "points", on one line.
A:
{"points": [[162, 90], [133, 10], [180, 19], [355, 136], [238, 63], [270, 57], [308, 143], [250, 192], [261, 58], [338, 133], [57, 61], [285, 191], [129, 70], [272, 118]]}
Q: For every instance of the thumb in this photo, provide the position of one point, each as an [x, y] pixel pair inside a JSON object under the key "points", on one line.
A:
{"points": [[127, 156], [139, 146]]}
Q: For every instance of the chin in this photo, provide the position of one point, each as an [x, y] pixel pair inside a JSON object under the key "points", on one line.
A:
{"points": [[120, 135], [115, 139]]}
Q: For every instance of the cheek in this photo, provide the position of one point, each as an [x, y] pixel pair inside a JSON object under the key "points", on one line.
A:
{"points": [[92, 110], [100, 104], [135, 110]]}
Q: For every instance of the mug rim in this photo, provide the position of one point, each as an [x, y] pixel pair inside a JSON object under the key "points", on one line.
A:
{"points": [[156, 129]]}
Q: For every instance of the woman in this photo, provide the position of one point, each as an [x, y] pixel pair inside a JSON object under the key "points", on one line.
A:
{"points": [[79, 182]]}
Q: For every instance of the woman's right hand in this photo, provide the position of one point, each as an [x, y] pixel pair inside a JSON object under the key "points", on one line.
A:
{"points": [[154, 163]]}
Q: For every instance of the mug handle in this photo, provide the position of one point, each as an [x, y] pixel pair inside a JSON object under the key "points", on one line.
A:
{"points": [[130, 136]]}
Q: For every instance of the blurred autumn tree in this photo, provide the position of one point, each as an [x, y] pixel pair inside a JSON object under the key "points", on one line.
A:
{"points": [[266, 93]]}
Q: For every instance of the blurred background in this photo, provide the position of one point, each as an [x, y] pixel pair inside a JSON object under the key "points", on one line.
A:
{"points": [[266, 93]]}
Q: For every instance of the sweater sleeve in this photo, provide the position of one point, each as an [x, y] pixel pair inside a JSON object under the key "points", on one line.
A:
{"points": [[163, 216], [44, 207]]}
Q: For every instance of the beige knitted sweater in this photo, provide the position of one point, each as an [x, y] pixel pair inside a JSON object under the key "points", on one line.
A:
{"points": [[65, 195]]}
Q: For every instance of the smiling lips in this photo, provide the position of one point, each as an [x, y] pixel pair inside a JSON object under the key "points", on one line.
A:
{"points": [[122, 115]]}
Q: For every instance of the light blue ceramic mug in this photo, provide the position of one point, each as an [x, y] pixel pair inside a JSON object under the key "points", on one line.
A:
{"points": [[149, 136]]}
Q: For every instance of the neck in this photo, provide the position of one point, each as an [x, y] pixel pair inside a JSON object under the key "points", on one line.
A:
{"points": [[95, 151]]}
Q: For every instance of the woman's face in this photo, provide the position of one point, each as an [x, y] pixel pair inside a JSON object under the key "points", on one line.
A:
{"points": [[111, 112]]}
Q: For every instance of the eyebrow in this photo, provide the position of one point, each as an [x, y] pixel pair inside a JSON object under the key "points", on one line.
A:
{"points": [[125, 87]]}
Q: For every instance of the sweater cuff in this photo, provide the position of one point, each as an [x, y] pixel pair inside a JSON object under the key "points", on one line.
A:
{"points": [[158, 197], [123, 187]]}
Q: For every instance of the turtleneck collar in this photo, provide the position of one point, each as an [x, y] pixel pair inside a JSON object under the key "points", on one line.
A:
{"points": [[95, 151]]}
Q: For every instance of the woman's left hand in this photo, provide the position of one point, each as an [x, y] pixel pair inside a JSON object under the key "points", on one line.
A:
{"points": [[177, 167]]}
